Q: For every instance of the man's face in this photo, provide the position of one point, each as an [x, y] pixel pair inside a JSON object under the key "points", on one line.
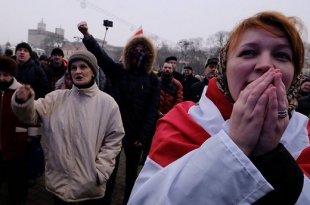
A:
{"points": [[305, 87], [167, 68], [22, 55], [138, 56], [210, 71], [187, 72], [44, 62], [139, 48], [5, 77], [57, 60], [173, 63]]}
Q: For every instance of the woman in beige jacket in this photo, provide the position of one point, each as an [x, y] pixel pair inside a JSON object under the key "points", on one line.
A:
{"points": [[83, 131]]}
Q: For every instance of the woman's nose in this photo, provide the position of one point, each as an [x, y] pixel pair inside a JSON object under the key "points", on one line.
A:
{"points": [[78, 70], [264, 62]]}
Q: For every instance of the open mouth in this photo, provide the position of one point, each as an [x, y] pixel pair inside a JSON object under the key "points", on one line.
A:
{"points": [[78, 77]]}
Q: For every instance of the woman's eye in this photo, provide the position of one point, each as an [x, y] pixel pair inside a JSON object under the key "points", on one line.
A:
{"points": [[247, 53], [283, 56]]}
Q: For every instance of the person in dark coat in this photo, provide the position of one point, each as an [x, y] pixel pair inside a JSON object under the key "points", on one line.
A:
{"points": [[304, 105], [13, 137], [197, 88], [187, 82], [29, 72], [135, 88], [44, 61], [304, 99], [174, 60], [56, 68]]}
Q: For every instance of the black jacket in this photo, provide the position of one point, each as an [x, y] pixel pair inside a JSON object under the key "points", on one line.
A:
{"points": [[53, 74], [196, 90], [136, 91], [187, 82], [32, 74], [304, 105]]}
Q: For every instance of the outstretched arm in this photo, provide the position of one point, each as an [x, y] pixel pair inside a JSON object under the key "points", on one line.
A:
{"points": [[110, 68]]}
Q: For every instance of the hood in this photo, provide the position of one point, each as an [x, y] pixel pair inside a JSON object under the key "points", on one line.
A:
{"points": [[150, 53]]}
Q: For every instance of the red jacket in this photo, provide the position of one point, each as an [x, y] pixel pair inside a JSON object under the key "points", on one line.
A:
{"points": [[170, 95]]}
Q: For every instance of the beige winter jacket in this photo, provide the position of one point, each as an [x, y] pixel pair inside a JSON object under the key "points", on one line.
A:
{"points": [[83, 131]]}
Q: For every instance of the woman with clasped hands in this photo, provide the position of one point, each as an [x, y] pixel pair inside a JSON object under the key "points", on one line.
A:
{"points": [[83, 131], [243, 143]]}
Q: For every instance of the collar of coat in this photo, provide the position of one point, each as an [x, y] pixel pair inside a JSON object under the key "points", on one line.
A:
{"points": [[91, 91]]}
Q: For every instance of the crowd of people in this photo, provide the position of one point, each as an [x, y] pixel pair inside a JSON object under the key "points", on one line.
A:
{"points": [[239, 135]]}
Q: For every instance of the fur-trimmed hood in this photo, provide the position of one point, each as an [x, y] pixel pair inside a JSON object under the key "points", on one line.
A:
{"points": [[150, 52]]}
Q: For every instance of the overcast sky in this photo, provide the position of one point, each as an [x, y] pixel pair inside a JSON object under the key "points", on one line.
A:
{"points": [[169, 20]]}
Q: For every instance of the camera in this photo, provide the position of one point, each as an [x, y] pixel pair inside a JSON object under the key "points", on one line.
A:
{"points": [[108, 23]]}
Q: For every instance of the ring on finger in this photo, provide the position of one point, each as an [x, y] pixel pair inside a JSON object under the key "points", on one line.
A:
{"points": [[282, 114]]}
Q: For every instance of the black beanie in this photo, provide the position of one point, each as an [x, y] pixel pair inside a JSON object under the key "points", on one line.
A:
{"points": [[171, 58], [8, 65], [57, 51], [25, 46]]}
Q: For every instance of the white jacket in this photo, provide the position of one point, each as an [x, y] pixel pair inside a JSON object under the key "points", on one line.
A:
{"points": [[83, 131], [213, 172]]}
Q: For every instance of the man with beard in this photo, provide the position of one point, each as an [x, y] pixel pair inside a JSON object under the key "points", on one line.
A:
{"points": [[197, 88], [135, 88], [171, 90], [174, 60]]}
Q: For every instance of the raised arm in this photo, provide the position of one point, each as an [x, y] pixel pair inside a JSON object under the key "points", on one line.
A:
{"points": [[110, 68]]}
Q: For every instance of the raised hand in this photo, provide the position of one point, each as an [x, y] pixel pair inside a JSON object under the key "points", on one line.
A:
{"points": [[83, 28], [249, 112], [23, 93], [274, 125]]}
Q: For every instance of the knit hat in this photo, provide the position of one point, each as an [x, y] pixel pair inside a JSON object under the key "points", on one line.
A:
{"points": [[86, 56], [43, 57], [188, 67], [8, 65], [57, 51], [25, 46], [171, 58]]}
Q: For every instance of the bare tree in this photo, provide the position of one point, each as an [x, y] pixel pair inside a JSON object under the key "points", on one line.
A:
{"points": [[216, 41]]}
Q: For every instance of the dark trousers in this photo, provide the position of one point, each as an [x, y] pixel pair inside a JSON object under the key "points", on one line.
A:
{"points": [[133, 155], [14, 172], [58, 201], [110, 184]]}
